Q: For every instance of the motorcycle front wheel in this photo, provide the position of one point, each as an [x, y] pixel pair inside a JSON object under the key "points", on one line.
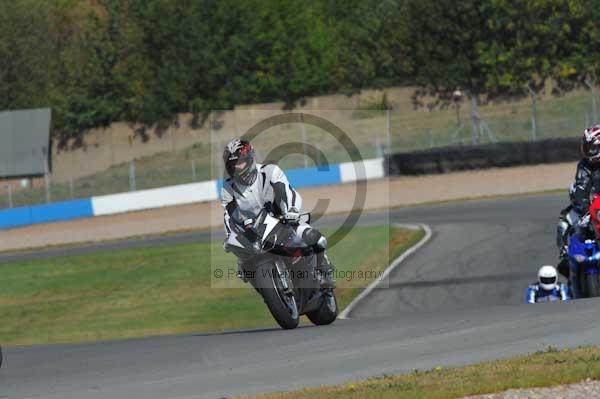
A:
{"points": [[592, 285], [281, 304]]}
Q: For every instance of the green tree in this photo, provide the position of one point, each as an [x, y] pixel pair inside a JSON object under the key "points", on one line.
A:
{"points": [[368, 42], [497, 47], [294, 51], [550, 42], [27, 57], [144, 61]]}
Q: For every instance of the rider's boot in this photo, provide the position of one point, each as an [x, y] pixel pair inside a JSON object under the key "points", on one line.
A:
{"points": [[326, 271], [240, 272], [563, 266], [574, 284], [562, 239]]}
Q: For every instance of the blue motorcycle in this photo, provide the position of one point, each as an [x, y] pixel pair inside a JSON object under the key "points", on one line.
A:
{"points": [[584, 262]]}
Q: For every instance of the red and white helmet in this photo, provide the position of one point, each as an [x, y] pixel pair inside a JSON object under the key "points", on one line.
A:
{"points": [[240, 163], [590, 143]]}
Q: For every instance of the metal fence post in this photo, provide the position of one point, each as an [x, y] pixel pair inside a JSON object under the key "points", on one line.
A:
{"points": [[430, 134], [378, 152], [303, 128], [587, 120], [132, 175], [194, 178], [533, 95], [71, 187], [10, 198], [474, 119], [47, 181], [216, 167], [594, 105], [318, 154], [388, 124], [592, 86]]}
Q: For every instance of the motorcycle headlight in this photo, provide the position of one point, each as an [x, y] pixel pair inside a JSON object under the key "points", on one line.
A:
{"points": [[579, 258]]}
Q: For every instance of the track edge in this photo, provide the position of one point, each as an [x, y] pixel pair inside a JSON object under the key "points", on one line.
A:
{"points": [[345, 314]]}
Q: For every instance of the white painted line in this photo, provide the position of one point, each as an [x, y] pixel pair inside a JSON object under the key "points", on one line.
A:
{"points": [[345, 313]]}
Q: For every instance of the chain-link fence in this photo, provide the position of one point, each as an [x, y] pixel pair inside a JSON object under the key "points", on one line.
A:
{"points": [[114, 161], [198, 158], [515, 120]]}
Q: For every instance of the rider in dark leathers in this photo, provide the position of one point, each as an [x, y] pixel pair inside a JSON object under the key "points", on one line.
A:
{"points": [[573, 218]]}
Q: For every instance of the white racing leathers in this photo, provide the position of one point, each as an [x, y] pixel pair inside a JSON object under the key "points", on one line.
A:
{"points": [[271, 190]]}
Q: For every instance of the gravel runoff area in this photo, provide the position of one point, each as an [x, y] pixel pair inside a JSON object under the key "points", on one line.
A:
{"points": [[583, 390], [381, 193]]}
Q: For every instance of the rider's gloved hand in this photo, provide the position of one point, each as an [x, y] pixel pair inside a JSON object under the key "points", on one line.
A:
{"points": [[584, 221], [292, 215]]}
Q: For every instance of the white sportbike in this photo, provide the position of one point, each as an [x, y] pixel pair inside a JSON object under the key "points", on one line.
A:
{"points": [[282, 268]]}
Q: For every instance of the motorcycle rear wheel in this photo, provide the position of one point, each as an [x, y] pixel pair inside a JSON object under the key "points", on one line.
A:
{"points": [[592, 285], [326, 313], [282, 306], [582, 280]]}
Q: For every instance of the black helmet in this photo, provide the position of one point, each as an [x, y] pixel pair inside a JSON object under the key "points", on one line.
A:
{"points": [[239, 161]]}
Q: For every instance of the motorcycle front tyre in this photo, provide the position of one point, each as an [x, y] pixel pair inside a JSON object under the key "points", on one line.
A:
{"points": [[284, 312]]}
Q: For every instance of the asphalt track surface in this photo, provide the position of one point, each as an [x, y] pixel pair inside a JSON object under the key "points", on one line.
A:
{"points": [[456, 301]]}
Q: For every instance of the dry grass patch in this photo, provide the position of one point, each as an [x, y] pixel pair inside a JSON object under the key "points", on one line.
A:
{"points": [[542, 369]]}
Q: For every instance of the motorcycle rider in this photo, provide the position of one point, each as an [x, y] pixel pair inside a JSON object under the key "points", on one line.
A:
{"points": [[252, 187], [587, 182], [547, 288]]}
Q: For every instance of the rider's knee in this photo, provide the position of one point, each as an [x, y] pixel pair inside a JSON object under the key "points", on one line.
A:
{"points": [[562, 230], [322, 243], [314, 238]]}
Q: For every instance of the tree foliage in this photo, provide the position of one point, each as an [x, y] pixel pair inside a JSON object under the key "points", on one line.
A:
{"points": [[143, 61], [500, 47]]}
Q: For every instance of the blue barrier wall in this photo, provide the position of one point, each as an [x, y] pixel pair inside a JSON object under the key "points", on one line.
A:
{"points": [[67, 210], [62, 211], [15, 217], [315, 176]]}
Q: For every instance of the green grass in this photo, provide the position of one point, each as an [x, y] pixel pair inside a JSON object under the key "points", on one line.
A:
{"points": [[541, 369], [151, 291]]}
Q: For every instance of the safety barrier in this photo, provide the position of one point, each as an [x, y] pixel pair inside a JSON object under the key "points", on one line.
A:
{"points": [[155, 198], [447, 159], [178, 195], [24, 216], [440, 160]]}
